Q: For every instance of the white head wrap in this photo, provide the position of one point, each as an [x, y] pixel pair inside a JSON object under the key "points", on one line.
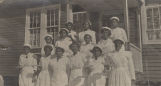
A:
{"points": [[115, 18], [48, 35], [64, 29], [107, 28], [27, 45]]}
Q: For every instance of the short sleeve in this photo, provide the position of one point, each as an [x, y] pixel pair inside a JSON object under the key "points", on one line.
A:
{"points": [[21, 60]]}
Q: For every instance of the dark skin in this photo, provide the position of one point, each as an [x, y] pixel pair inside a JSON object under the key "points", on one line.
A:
{"points": [[69, 26], [63, 34], [48, 40], [26, 49], [96, 53], [105, 34], [118, 46], [47, 51], [87, 39], [115, 23], [59, 53], [75, 48], [86, 26]]}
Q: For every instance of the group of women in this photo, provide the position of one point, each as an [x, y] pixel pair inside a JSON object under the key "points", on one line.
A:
{"points": [[77, 60]]}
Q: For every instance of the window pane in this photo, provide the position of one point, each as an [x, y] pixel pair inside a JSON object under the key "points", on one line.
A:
{"points": [[150, 35], [48, 18], [149, 19], [158, 35], [35, 37], [156, 18]]}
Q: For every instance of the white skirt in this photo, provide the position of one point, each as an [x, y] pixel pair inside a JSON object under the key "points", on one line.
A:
{"points": [[43, 79], [119, 77]]}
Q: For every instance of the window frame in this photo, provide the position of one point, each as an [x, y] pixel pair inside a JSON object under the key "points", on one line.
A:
{"points": [[144, 30], [43, 22]]}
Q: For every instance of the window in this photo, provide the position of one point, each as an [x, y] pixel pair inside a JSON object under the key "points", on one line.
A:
{"points": [[40, 21], [153, 27], [52, 22], [35, 28]]}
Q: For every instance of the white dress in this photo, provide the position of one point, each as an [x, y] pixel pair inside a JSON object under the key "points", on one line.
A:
{"points": [[59, 75], [76, 65], [90, 32], [43, 52], [97, 67], [119, 33], [122, 71], [86, 49], [73, 34], [64, 43], [28, 64], [106, 46], [44, 77]]}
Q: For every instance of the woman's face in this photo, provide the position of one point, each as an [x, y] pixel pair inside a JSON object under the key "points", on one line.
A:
{"points": [[27, 49], [118, 46], [69, 26], [75, 48], [48, 40], [87, 39], [63, 34], [115, 23], [97, 52], [105, 34], [86, 26], [59, 52]]}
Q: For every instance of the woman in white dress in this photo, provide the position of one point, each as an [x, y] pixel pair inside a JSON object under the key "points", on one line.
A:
{"points": [[87, 45], [87, 30], [122, 68], [28, 67], [64, 41], [44, 77], [77, 60], [96, 65], [118, 32], [106, 43], [59, 65], [48, 41], [72, 34]]}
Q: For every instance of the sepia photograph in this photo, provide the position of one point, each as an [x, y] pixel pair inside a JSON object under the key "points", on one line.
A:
{"points": [[80, 42]]}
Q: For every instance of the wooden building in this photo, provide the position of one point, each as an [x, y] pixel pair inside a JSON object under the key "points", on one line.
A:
{"points": [[27, 21]]}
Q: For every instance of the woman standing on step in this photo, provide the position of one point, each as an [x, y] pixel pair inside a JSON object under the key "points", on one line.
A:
{"points": [[122, 68], [28, 67], [59, 65], [44, 77]]}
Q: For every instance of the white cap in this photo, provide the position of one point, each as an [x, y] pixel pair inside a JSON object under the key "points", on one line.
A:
{"points": [[107, 28], [27, 45], [64, 29], [115, 18], [48, 35]]}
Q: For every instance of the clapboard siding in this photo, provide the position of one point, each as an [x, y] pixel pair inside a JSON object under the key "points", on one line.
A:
{"points": [[134, 35], [13, 30], [152, 62]]}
